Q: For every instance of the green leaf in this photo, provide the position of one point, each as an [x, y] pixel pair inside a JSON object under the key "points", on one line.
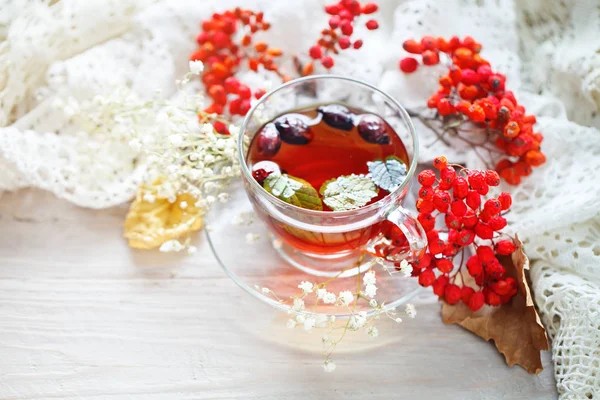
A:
{"points": [[348, 192], [388, 174], [293, 190]]}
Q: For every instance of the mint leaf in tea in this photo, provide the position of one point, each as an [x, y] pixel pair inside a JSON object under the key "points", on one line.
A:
{"points": [[354, 157]]}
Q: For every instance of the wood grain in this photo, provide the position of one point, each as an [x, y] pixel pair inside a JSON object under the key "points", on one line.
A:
{"points": [[83, 316]]}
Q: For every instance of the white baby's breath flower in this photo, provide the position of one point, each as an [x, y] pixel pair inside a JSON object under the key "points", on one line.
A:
{"points": [[410, 310], [300, 318], [398, 320], [405, 268], [176, 140], [332, 319], [329, 366], [298, 305], [321, 293], [183, 205], [290, 324], [370, 290], [309, 323], [192, 249], [306, 287], [369, 278], [210, 199], [196, 67], [149, 198], [171, 246], [265, 290], [252, 237], [325, 339], [373, 331], [223, 197], [321, 320], [329, 298], [357, 320], [135, 144], [373, 303], [346, 297]]}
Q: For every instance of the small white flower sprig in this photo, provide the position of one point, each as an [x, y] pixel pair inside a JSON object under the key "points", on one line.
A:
{"points": [[347, 300], [175, 141]]}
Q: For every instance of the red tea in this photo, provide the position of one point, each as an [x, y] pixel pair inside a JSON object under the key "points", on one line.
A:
{"points": [[328, 158]]}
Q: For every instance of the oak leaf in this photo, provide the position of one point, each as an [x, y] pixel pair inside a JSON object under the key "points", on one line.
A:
{"points": [[514, 327], [150, 224]]}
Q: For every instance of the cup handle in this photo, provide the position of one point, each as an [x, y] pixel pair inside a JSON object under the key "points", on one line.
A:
{"points": [[411, 247]]}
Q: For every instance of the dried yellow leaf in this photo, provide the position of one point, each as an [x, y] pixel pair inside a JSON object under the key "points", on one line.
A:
{"points": [[150, 224]]}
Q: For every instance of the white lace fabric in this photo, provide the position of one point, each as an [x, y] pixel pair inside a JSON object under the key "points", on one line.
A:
{"points": [[74, 49]]}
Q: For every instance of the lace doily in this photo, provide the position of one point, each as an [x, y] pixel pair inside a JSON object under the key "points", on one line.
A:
{"points": [[76, 50]]}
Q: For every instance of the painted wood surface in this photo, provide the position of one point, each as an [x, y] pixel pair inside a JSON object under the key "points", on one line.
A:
{"points": [[83, 316]]}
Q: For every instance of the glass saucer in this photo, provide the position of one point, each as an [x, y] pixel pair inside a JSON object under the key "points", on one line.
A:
{"points": [[254, 260]]}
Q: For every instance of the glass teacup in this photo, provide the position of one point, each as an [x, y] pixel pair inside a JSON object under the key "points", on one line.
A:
{"points": [[326, 243]]}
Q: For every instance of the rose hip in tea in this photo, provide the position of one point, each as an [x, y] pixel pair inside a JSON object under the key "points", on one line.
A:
{"points": [[327, 158]]}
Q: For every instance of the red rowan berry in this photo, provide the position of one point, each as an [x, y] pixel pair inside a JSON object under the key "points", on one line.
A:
{"points": [[465, 294], [412, 46], [444, 265], [485, 254], [505, 247], [315, 52], [425, 206], [492, 206], [422, 262], [430, 57], [372, 25], [428, 43], [440, 285], [408, 64], [505, 200], [466, 237], [452, 294], [473, 199], [484, 231], [426, 278], [426, 192], [492, 178], [497, 223], [440, 162], [427, 221], [460, 188], [436, 247], [452, 221], [448, 175], [492, 299], [458, 207], [476, 301], [327, 62], [469, 220], [474, 266], [357, 44]]}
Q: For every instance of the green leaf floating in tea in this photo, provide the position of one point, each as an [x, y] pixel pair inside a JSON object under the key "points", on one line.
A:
{"points": [[388, 174], [293, 190], [348, 192]]}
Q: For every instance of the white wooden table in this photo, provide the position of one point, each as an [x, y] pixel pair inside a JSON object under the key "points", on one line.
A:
{"points": [[83, 316]]}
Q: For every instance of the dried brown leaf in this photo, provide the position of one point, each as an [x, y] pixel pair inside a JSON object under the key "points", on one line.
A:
{"points": [[149, 225], [514, 327]]}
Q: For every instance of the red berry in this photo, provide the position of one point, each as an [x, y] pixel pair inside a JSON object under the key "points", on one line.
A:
{"points": [[244, 92], [452, 294], [315, 52], [426, 178], [433, 236], [426, 192], [347, 28], [327, 62], [483, 190], [474, 266], [259, 93], [465, 294], [496, 82], [426, 278], [358, 44], [465, 237], [231, 85], [436, 247], [448, 175], [492, 206], [492, 299], [450, 250], [473, 199], [344, 42], [469, 220], [452, 236], [492, 178], [495, 269], [440, 285], [234, 106], [505, 247], [497, 223], [469, 77], [425, 206], [372, 25], [506, 200], [428, 43], [335, 21], [458, 207], [441, 201], [408, 65], [452, 221], [245, 106], [422, 262], [476, 301], [501, 287], [333, 9], [430, 57], [485, 254], [412, 46], [460, 188], [427, 221], [476, 179], [444, 265], [484, 231], [440, 162], [369, 8]]}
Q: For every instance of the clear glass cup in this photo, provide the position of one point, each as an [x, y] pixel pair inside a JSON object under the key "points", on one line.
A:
{"points": [[323, 242]]}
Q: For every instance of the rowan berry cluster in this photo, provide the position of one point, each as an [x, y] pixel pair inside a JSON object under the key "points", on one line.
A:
{"points": [[339, 34], [225, 42], [471, 224], [471, 90]]}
